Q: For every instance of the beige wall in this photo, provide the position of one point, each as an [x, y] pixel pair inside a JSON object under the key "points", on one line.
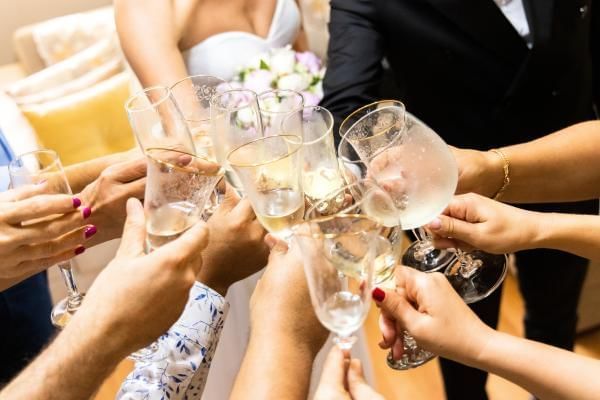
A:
{"points": [[17, 13]]}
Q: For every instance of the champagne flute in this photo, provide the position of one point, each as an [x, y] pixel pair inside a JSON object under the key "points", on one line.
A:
{"points": [[157, 121], [338, 253], [413, 163], [269, 171], [177, 188], [236, 120], [192, 95], [34, 168], [277, 104], [320, 170]]}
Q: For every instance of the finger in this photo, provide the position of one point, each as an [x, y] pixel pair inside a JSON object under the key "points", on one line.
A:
{"points": [[230, 199], [32, 267], [276, 245], [333, 370], [359, 388], [127, 171], [243, 210], [40, 206], [396, 307], [185, 250], [24, 192], [387, 326], [134, 231], [398, 346], [72, 241]]}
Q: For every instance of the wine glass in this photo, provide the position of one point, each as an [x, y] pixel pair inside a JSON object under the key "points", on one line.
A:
{"points": [[157, 121], [178, 186], [320, 170], [410, 161], [269, 171], [277, 104], [338, 253], [236, 120], [34, 168], [193, 95]]}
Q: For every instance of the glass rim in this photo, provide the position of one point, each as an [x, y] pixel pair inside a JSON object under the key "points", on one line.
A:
{"points": [[12, 165], [340, 189], [153, 104], [318, 108], [293, 151], [397, 103], [190, 78], [376, 225], [171, 165], [236, 108], [292, 92]]}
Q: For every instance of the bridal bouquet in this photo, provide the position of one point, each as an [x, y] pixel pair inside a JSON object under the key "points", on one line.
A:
{"points": [[284, 68]]}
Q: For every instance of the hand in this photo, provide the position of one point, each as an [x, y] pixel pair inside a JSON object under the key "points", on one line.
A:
{"points": [[478, 171], [473, 221], [343, 379], [391, 175], [236, 249], [37, 231], [426, 305], [280, 305], [108, 194], [138, 295]]}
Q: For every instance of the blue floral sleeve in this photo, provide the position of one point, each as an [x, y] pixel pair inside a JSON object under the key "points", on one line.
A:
{"points": [[190, 345]]}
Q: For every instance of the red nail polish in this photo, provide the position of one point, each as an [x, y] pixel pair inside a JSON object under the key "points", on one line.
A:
{"points": [[86, 212], [378, 295], [79, 250], [90, 231], [76, 202]]}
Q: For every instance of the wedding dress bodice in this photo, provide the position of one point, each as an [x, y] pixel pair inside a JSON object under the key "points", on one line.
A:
{"points": [[222, 54]]}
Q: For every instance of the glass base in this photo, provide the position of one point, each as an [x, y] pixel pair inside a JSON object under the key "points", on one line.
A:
{"points": [[480, 283], [412, 357], [151, 353], [430, 261], [64, 310]]}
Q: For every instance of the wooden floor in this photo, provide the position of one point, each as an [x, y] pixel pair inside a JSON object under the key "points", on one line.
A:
{"points": [[423, 383]]}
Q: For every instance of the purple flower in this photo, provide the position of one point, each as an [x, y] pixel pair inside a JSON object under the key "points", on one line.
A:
{"points": [[310, 61], [310, 99], [259, 80]]}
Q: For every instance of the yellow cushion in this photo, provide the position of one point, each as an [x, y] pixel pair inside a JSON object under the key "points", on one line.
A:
{"points": [[86, 124]]}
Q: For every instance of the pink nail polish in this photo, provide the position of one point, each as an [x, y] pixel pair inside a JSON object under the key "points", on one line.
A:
{"points": [[435, 224], [86, 212], [89, 231], [79, 250], [76, 202]]}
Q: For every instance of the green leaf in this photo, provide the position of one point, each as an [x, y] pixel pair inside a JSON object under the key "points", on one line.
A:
{"points": [[263, 65]]}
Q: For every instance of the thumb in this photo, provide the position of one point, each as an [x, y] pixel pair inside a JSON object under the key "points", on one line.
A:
{"points": [[134, 231], [396, 306], [358, 387], [277, 246], [455, 228], [333, 370], [186, 249], [231, 198]]}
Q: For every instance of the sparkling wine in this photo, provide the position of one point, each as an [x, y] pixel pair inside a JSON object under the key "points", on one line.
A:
{"points": [[279, 209], [383, 270], [169, 221], [342, 313], [321, 182], [204, 144]]}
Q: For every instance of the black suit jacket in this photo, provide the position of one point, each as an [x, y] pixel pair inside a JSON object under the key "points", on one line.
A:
{"points": [[460, 66]]}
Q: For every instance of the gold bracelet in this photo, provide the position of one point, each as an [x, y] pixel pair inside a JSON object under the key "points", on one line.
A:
{"points": [[506, 168]]}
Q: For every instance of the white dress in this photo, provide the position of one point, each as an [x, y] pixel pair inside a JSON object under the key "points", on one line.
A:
{"points": [[221, 55]]}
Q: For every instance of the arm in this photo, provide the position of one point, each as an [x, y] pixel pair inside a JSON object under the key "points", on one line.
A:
{"points": [[190, 345], [473, 221], [354, 55], [429, 308], [157, 61], [82, 174], [563, 166]]}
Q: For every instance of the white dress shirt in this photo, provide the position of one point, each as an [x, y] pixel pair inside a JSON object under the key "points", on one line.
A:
{"points": [[515, 13]]}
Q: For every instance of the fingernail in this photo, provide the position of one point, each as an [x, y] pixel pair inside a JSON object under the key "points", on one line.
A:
{"points": [[76, 202], [89, 231], [41, 182], [378, 295], [86, 212], [435, 224], [79, 250], [270, 241]]}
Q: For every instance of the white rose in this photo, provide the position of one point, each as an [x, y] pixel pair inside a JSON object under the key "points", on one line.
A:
{"points": [[245, 116], [283, 61], [297, 82], [255, 61]]}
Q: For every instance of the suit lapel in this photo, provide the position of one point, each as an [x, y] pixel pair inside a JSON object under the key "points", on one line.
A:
{"points": [[484, 21], [540, 14]]}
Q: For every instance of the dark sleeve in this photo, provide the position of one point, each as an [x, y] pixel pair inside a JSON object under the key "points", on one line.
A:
{"points": [[354, 58], [595, 41]]}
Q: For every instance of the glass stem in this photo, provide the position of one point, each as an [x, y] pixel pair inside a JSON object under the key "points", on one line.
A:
{"points": [[424, 244], [345, 342], [468, 265], [74, 297]]}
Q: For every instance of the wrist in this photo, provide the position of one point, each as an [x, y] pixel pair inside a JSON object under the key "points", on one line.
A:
{"points": [[493, 165], [483, 342], [213, 282]]}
